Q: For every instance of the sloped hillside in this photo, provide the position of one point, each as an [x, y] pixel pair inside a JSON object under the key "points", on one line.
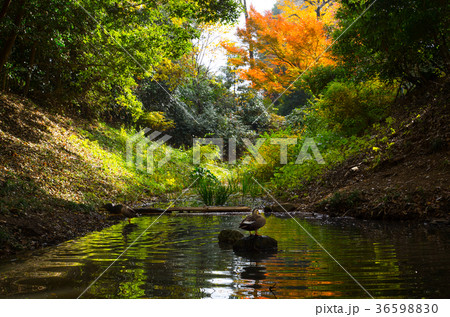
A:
{"points": [[55, 171], [407, 175]]}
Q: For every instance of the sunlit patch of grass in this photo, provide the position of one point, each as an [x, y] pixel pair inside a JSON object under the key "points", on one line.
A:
{"points": [[79, 165], [106, 151]]}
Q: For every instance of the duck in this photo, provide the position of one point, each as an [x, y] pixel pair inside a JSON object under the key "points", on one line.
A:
{"points": [[128, 213], [122, 210], [253, 222]]}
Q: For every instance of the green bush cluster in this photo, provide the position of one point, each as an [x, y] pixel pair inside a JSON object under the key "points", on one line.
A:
{"points": [[353, 107], [337, 121], [318, 78], [205, 107]]}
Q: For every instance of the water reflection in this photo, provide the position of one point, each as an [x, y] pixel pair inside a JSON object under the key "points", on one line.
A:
{"points": [[127, 230], [179, 257]]}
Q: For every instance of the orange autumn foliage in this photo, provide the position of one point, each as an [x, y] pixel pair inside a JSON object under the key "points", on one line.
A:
{"points": [[284, 45]]}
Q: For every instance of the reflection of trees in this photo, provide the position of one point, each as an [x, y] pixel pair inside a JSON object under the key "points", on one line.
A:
{"points": [[416, 251], [126, 230], [154, 267], [169, 261], [179, 257], [304, 270]]}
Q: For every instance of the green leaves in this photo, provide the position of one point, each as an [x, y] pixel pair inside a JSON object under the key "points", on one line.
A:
{"points": [[394, 38], [351, 108], [92, 51]]}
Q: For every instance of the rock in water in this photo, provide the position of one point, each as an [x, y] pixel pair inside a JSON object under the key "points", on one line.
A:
{"points": [[256, 244], [229, 236]]}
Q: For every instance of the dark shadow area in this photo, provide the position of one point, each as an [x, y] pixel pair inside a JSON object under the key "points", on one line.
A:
{"points": [[17, 119]]}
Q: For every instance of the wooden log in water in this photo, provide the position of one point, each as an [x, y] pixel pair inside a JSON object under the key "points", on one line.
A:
{"points": [[149, 210]]}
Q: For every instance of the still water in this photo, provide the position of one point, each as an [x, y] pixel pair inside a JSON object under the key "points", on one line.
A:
{"points": [[179, 257]]}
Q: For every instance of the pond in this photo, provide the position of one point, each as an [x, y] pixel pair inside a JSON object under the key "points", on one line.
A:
{"points": [[179, 257]]}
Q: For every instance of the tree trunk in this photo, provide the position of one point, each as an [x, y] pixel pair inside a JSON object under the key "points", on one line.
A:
{"points": [[4, 81], [9, 43], [30, 69], [5, 7], [318, 12], [250, 50]]}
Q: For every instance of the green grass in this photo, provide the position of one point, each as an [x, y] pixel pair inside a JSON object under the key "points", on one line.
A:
{"points": [[335, 147], [77, 165], [249, 186], [222, 193], [237, 185], [213, 192], [105, 148]]}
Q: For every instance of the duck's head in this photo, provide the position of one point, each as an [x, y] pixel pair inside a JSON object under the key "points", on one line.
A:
{"points": [[255, 212]]}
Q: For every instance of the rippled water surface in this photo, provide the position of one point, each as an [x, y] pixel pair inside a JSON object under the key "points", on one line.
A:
{"points": [[179, 257]]}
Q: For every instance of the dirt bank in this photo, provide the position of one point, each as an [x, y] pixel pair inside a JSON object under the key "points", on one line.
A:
{"points": [[43, 180], [409, 180]]}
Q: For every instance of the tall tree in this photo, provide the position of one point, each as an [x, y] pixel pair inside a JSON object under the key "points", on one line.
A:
{"points": [[91, 51], [319, 6], [285, 45], [11, 38], [395, 38], [4, 8], [250, 48]]}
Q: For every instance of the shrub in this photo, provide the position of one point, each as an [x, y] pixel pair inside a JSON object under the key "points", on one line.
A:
{"points": [[317, 78], [351, 108], [4, 236], [306, 119], [155, 120], [270, 153], [289, 102]]}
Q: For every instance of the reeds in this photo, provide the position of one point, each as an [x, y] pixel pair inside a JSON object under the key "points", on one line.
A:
{"points": [[213, 192], [249, 186]]}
